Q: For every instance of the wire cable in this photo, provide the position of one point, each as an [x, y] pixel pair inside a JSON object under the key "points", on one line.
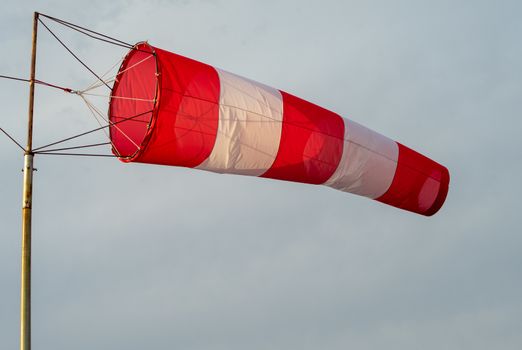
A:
{"points": [[73, 26], [12, 139], [14, 78], [72, 53], [96, 35], [76, 154], [40, 82], [90, 131], [77, 147]]}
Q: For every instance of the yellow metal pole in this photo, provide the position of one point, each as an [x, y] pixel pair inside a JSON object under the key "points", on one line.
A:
{"points": [[25, 285]]}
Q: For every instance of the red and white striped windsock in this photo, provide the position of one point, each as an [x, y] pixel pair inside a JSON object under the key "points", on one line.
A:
{"points": [[171, 110]]}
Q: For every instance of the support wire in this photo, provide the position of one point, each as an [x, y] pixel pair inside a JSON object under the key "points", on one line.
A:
{"points": [[77, 147], [85, 30], [36, 81], [77, 154], [12, 139], [72, 53], [90, 131]]}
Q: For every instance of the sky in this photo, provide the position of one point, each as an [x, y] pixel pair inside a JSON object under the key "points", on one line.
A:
{"points": [[130, 256]]}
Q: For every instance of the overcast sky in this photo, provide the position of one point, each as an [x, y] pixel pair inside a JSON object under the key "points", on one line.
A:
{"points": [[129, 256]]}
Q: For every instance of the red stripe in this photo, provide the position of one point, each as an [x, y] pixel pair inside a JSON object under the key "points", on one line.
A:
{"points": [[311, 143], [187, 119], [420, 184]]}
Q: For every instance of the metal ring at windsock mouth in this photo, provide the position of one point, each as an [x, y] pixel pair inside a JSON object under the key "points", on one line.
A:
{"points": [[133, 102]]}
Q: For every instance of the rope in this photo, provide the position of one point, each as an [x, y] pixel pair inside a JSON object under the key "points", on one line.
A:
{"points": [[115, 97], [113, 78], [99, 123], [94, 114], [111, 123], [95, 84]]}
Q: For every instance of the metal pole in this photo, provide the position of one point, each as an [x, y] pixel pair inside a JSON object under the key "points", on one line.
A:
{"points": [[25, 285]]}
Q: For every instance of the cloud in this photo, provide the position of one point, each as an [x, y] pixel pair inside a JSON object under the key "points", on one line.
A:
{"points": [[135, 256]]}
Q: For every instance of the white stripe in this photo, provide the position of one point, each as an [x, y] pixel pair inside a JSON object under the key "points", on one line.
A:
{"points": [[249, 129], [368, 164]]}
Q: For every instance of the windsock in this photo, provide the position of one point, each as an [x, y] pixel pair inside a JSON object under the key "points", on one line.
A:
{"points": [[171, 110]]}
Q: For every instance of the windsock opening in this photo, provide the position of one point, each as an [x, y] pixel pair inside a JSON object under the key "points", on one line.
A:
{"points": [[133, 102]]}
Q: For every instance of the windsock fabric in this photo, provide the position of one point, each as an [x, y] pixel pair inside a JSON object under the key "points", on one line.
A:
{"points": [[171, 110]]}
